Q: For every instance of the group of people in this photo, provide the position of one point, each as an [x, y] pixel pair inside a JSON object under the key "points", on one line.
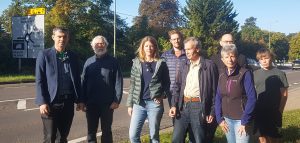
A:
{"points": [[201, 93]]}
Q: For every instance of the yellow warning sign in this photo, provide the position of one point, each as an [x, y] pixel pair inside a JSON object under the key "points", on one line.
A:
{"points": [[36, 11]]}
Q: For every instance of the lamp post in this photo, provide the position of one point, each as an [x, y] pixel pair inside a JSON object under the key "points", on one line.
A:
{"points": [[270, 37], [270, 34], [115, 28]]}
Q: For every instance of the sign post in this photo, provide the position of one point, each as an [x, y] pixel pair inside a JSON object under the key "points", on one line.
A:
{"points": [[28, 34]]}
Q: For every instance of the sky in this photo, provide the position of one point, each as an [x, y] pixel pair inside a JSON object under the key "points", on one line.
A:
{"points": [[272, 15]]}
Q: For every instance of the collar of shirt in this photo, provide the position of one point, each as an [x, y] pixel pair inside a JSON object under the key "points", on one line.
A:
{"points": [[182, 51], [230, 72], [195, 63]]}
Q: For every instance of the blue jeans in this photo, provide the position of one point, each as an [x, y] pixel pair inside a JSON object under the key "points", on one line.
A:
{"points": [[233, 135], [146, 109], [190, 114]]}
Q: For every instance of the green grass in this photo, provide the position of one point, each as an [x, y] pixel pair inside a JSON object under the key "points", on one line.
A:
{"points": [[16, 78], [290, 130]]}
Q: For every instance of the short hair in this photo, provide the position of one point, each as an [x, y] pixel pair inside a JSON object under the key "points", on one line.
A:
{"points": [[228, 49], [264, 52], [99, 37], [140, 51], [225, 35], [60, 29], [195, 41], [175, 32]]}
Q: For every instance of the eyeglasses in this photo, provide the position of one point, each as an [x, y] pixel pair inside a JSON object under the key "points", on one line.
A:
{"points": [[176, 39], [149, 67], [228, 42]]}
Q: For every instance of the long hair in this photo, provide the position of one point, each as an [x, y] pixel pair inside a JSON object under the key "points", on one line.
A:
{"points": [[140, 51]]}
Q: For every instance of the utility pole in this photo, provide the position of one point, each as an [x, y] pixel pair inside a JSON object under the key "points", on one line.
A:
{"points": [[115, 28], [270, 38]]}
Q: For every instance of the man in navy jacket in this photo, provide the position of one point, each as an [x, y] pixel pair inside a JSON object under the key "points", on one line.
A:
{"points": [[102, 89], [193, 94], [57, 87]]}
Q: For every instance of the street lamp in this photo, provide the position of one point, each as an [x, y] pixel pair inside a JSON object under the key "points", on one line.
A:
{"points": [[270, 34], [115, 28]]}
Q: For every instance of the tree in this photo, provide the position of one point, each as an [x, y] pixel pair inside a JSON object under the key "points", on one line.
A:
{"points": [[294, 51], [162, 15], [250, 32], [251, 38], [14, 9], [279, 45], [250, 22], [84, 19], [209, 20]]}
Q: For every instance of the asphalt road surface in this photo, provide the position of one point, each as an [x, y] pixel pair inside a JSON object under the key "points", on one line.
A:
{"points": [[20, 120]]}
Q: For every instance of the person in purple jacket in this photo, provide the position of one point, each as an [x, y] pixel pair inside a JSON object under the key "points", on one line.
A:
{"points": [[235, 98]]}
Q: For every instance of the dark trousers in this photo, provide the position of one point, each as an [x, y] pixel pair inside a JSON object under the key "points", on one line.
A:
{"points": [[58, 123], [105, 114], [189, 129], [190, 114], [210, 129]]}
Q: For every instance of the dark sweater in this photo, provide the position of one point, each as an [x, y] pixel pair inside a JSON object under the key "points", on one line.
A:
{"points": [[102, 80], [147, 73]]}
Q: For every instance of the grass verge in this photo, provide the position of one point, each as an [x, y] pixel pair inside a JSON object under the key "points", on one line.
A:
{"points": [[16, 78], [290, 130]]}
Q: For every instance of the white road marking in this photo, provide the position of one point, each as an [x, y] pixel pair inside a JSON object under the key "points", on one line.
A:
{"points": [[83, 138], [125, 92], [12, 100], [31, 109], [21, 104]]}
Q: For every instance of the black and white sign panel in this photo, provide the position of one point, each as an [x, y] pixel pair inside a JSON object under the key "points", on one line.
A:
{"points": [[28, 36]]}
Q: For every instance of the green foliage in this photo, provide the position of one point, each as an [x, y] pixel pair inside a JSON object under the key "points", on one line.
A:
{"points": [[250, 23], [84, 19], [294, 51], [164, 44], [209, 20], [16, 78], [279, 45], [251, 33], [251, 38], [15, 9]]}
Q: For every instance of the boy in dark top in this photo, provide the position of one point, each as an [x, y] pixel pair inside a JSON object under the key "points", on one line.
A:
{"points": [[272, 91]]}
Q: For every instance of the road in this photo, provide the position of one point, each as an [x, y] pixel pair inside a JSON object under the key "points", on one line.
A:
{"points": [[20, 121]]}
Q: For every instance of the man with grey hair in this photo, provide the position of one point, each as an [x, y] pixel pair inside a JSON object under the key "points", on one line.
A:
{"points": [[193, 94], [102, 86]]}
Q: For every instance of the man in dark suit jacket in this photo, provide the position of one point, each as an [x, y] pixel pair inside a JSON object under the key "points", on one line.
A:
{"points": [[193, 94], [57, 87]]}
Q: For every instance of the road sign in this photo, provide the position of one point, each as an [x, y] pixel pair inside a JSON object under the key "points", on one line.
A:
{"points": [[27, 35], [36, 11]]}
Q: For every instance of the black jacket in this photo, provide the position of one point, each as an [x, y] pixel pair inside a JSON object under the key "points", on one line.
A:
{"points": [[102, 81], [208, 81]]}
